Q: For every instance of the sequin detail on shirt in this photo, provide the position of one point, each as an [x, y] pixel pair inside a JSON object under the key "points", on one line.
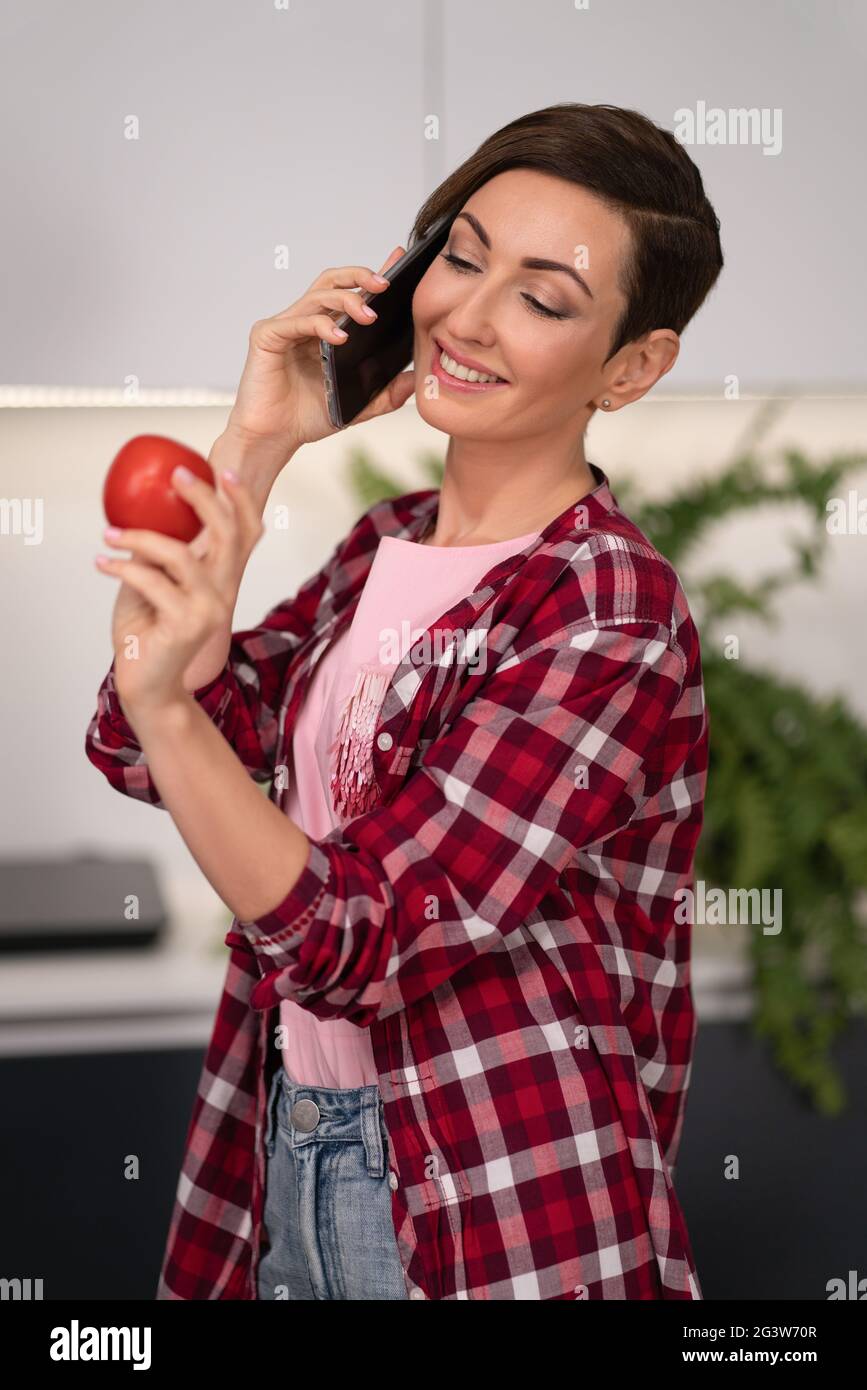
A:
{"points": [[353, 784]]}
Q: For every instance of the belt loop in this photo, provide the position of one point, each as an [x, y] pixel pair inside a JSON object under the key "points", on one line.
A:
{"points": [[371, 1132]]}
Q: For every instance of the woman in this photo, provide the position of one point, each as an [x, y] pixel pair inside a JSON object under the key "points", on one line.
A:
{"points": [[452, 1052]]}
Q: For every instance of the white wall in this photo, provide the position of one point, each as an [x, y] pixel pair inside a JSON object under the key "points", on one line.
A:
{"points": [[304, 126]]}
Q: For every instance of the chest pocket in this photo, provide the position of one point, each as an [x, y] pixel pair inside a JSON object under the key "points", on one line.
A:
{"points": [[448, 692]]}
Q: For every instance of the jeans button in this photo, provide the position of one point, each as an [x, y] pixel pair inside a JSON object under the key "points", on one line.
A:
{"points": [[305, 1115]]}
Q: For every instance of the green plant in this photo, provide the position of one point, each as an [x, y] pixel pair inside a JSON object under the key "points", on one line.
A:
{"points": [[786, 801]]}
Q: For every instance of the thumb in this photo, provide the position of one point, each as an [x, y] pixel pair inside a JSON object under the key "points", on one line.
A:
{"points": [[391, 397], [402, 388]]}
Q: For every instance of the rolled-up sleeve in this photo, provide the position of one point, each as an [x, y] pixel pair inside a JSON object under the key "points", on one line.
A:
{"points": [[548, 757]]}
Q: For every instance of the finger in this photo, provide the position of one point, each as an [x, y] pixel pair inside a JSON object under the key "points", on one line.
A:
{"points": [[202, 544], [395, 256], [277, 334], [340, 302], [243, 519], [348, 276], [226, 563], [337, 301], [205, 502], [199, 545], [159, 591], [326, 290], [334, 279], [240, 497], [173, 555]]}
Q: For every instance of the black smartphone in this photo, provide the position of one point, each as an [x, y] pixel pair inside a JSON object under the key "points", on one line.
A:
{"points": [[358, 369]]}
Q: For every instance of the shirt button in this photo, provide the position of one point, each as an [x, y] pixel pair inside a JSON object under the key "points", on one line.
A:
{"points": [[417, 1293], [393, 1180], [384, 741]]}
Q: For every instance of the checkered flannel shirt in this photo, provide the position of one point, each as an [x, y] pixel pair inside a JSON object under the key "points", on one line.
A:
{"points": [[503, 920]]}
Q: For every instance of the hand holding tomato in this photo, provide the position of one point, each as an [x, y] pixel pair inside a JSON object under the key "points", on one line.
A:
{"points": [[174, 600]]}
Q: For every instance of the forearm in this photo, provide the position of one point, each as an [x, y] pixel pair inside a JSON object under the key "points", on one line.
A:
{"points": [[248, 849], [258, 464]]}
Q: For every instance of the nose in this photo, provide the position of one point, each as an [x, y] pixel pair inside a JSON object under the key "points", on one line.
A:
{"points": [[472, 317], [470, 323]]}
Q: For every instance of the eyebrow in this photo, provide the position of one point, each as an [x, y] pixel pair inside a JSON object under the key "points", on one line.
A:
{"points": [[531, 262]]}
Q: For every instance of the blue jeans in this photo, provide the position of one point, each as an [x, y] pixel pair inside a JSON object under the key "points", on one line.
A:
{"points": [[327, 1196]]}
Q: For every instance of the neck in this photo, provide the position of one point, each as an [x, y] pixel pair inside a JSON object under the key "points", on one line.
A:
{"points": [[491, 494]]}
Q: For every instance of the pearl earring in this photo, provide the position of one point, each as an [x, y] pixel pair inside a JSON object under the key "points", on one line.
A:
{"points": [[606, 403]]}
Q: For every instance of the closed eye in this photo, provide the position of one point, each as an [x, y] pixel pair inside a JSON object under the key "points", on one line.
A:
{"points": [[464, 267]]}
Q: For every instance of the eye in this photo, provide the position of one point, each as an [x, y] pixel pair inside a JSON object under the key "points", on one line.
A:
{"points": [[461, 266], [542, 309], [465, 267]]}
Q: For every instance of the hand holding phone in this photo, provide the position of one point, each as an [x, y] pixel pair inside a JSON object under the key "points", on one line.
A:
{"points": [[367, 363], [280, 399]]}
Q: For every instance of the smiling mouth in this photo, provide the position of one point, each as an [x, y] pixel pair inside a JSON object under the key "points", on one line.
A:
{"points": [[455, 371]]}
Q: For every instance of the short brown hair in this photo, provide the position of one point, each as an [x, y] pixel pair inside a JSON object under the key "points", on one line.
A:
{"points": [[640, 171]]}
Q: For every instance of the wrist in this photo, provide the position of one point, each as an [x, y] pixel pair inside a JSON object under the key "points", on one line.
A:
{"points": [[258, 460], [169, 713]]}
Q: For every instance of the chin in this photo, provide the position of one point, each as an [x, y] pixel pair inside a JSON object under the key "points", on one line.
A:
{"points": [[435, 412], [442, 415]]}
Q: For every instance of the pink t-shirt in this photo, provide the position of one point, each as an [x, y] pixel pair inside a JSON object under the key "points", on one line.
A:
{"points": [[410, 586]]}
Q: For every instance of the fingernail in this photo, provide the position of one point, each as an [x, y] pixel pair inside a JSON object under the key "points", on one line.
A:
{"points": [[339, 332], [182, 474], [381, 278], [111, 533], [231, 475]]}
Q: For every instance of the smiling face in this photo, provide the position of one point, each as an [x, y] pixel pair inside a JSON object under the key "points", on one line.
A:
{"points": [[546, 331]]}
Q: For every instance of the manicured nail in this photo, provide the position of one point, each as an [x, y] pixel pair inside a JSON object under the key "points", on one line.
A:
{"points": [[182, 474], [381, 278], [101, 559], [111, 533], [231, 475], [339, 332]]}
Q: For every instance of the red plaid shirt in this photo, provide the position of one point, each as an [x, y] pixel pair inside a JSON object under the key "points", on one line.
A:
{"points": [[503, 920]]}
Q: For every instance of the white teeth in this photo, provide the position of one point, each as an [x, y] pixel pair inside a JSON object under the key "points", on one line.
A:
{"points": [[455, 369]]}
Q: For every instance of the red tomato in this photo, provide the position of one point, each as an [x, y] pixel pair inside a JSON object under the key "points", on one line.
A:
{"points": [[138, 490]]}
